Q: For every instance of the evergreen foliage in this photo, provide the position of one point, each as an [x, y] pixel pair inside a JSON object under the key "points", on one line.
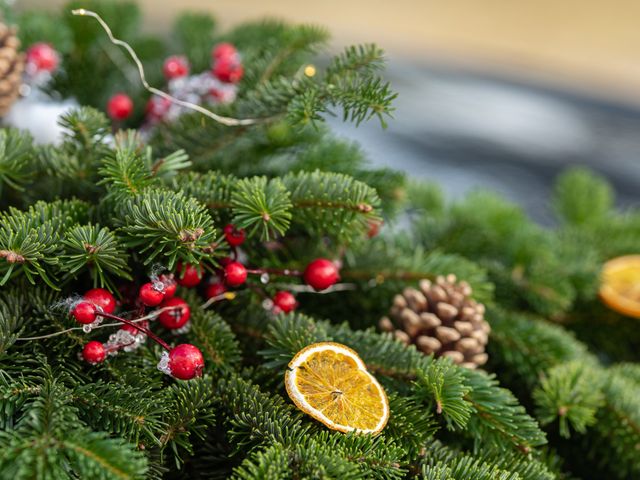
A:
{"points": [[560, 396]]}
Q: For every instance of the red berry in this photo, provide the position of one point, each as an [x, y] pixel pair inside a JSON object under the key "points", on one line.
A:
{"points": [[157, 107], [150, 295], [120, 106], [186, 361], [235, 274], [235, 236], [321, 274], [84, 312], [224, 50], [101, 298], [170, 285], [175, 318], [374, 228], [43, 57], [189, 275], [175, 66], [214, 289], [285, 301], [130, 329], [94, 352], [228, 70]]}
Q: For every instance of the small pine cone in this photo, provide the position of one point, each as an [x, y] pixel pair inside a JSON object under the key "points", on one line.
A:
{"points": [[11, 67], [441, 318]]}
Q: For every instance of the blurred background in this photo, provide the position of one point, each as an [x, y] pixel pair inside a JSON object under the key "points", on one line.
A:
{"points": [[493, 93]]}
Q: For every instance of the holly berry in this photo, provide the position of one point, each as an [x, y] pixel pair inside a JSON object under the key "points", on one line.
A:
{"points": [[175, 318], [130, 329], [170, 285], [94, 352], [224, 50], [120, 106], [186, 361], [150, 295], [235, 274], [43, 57], [101, 298], [235, 236], [214, 289], [228, 70], [189, 275], [175, 66], [321, 274], [84, 312], [285, 301]]}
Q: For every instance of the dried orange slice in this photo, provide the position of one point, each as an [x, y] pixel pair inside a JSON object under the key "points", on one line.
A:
{"points": [[330, 382], [620, 287]]}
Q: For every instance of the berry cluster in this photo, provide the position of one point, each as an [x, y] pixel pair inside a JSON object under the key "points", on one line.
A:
{"points": [[184, 361]]}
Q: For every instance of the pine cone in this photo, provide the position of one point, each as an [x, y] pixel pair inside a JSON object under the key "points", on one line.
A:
{"points": [[441, 318], [11, 67]]}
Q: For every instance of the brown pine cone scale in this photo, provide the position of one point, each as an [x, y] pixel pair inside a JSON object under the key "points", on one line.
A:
{"points": [[441, 318]]}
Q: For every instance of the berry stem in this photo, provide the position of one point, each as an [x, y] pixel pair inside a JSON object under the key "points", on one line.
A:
{"points": [[284, 272], [146, 331]]}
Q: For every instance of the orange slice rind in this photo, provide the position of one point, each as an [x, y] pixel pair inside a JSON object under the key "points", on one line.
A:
{"points": [[620, 285], [329, 382]]}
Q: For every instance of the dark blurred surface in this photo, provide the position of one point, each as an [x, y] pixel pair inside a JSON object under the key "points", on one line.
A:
{"points": [[466, 130]]}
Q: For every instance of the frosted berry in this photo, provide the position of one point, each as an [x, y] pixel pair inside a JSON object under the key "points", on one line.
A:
{"points": [[224, 50], [235, 236], [321, 274], [235, 274], [128, 328], [94, 352], [285, 301], [177, 317], [175, 66], [157, 108], [214, 289], [170, 285], [150, 295], [186, 361], [188, 275], [120, 106], [84, 312], [42, 57], [228, 70], [101, 298]]}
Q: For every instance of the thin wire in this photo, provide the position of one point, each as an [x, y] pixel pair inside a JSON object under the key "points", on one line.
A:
{"points": [[231, 122]]}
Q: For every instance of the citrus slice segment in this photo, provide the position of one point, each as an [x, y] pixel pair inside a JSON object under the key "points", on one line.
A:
{"points": [[330, 382], [620, 287]]}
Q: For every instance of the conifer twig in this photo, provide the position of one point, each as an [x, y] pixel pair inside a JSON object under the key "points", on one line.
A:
{"points": [[228, 121]]}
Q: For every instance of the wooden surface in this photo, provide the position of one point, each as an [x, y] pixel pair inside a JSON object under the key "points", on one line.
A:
{"points": [[585, 44]]}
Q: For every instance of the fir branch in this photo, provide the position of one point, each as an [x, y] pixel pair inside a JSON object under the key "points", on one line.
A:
{"points": [[16, 159]]}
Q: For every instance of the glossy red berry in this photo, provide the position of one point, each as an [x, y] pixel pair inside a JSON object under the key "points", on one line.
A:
{"points": [[130, 329], [224, 50], [150, 295], [321, 274], [214, 289], [120, 106], [175, 66], [228, 70], [285, 301], [84, 312], [170, 285], [186, 361], [94, 352], [42, 57], [188, 275], [235, 274], [101, 298], [177, 317], [235, 236]]}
